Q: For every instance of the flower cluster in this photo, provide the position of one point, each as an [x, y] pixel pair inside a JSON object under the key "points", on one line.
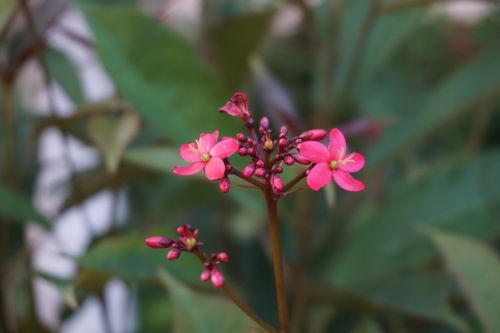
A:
{"points": [[265, 169], [188, 242]]}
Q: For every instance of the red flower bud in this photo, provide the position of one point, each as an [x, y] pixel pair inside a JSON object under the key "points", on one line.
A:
{"points": [[264, 123], [173, 254], [249, 170], [260, 172], [289, 160], [206, 274], [314, 134], [241, 137], [260, 164], [224, 185], [222, 257], [277, 183], [242, 151], [158, 242], [217, 278]]}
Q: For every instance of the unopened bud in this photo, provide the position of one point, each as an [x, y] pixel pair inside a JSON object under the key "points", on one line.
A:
{"points": [[205, 275], [282, 142], [173, 254], [217, 278], [224, 185], [260, 164], [242, 151], [289, 160], [229, 167], [250, 151], [157, 242], [301, 159], [249, 170], [182, 230], [222, 257], [314, 134], [277, 183], [278, 170], [283, 131], [264, 123], [241, 137], [260, 172]]}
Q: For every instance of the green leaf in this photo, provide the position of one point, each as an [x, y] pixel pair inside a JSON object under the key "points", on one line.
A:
{"points": [[229, 54], [15, 205], [389, 241], [128, 257], [65, 73], [160, 75], [450, 198], [477, 270], [161, 159], [367, 325], [202, 313], [111, 134], [456, 94]]}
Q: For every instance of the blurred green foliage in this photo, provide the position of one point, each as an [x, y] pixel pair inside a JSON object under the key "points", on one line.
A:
{"points": [[416, 91]]}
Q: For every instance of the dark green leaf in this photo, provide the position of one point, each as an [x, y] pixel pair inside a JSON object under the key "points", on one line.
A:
{"points": [[17, 206], [477, 270], [128, 256], [64, 72], [201, 313], [228, 52], [456, 94], [159, 75]]}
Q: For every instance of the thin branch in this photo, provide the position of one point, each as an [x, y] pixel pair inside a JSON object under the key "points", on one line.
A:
{"points": [[250, 180], [295, 180]]}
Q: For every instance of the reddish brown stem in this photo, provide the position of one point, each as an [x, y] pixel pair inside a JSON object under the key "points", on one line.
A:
{"points": [[250, 180], [274, 239]]}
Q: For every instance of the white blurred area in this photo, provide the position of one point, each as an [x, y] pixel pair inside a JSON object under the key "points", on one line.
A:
{"points": [[59, 156]]}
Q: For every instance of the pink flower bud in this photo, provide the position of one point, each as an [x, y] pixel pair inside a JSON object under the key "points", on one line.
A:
{"points": [[224, 185], [242, 151], [206, 274], [301, 159], [264, 123], [289, 160], [277, 183], [173, 254], [250, 151], [182, 230], [260, 164], [241, 137], [158, 242], [283, 131], [260, 172], [217, 278], [282, 142], [222, 257], [314, 134], [249, 170]]}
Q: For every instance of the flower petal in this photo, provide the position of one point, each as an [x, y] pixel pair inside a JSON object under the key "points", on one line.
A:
{"points": [[319, 176], [352, 162], [189, 152], [345, 181], [231, 109], [189, 169], [207, 141], [225, 147], [337, 145], [314, 151], [215, 168]]}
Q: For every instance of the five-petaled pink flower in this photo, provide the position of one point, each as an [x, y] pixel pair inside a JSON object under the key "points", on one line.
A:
{"points": [[332, 163], [207, 154]]}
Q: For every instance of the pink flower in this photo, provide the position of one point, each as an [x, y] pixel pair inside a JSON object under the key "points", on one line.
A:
{"points": [[237, 106], [332, 163], [205, 154]]}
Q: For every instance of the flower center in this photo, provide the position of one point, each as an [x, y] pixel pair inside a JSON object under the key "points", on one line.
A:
{"points": [[205, 157], [333, 165]]}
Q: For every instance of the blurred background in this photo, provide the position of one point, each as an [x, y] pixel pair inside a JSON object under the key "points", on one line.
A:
{"points": [[97, 96]]}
